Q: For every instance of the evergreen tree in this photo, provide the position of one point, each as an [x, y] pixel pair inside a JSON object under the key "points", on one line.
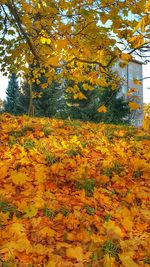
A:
{"points": [[23, 99], [48, 102], [86, 109], [12, 95], [55, 102], [45, 101]]}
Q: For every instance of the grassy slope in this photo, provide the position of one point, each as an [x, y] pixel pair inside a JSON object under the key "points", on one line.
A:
{"points": [[73, 194]]}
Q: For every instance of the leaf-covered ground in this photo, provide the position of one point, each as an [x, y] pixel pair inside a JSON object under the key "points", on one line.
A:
{"points": [[73, 194]]}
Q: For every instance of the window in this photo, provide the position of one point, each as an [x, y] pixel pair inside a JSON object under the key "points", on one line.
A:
{"points": [[130, 76], [123, 73], [123, 89]]}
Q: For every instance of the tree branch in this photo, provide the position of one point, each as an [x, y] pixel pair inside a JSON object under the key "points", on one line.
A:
{"points": [[14, 12], [5, 24], [144, 78], [139, 47]]}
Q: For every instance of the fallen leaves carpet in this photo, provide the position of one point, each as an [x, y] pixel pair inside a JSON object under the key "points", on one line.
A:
{"points": [[73, 194]]}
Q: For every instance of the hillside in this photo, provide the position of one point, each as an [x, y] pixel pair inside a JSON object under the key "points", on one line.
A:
{"points": [[73, 194]]}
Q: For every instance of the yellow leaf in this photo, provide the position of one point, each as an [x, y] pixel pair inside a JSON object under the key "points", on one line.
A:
{"points": [[38, 201], [64, 144], [127, 219], [23, 244], [102, 82], [81, 96], [86, 51], [126, 57], [17, 228], [40, 175], [131, 90], [147, 6], [104, 18], [137, 82], [127, 223], [75, 140], [51, 264], [53, 60], [5, 253], [62, 245], [138, 40], [30, 212], [87, 87], [108, 261], [47, 231], [44, 85], [114, 86], [69, 90], [127, 261], [19, 178], [40, 249], [75, 253], [146, 123], [61, 44], [3, 171], [45, 40], [137, 26], [133, 105], [112, 228], [123, 64], [141, 25], [102, 109]]}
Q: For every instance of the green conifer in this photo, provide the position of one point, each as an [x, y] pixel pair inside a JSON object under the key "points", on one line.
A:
{"points": [[12, 95]]}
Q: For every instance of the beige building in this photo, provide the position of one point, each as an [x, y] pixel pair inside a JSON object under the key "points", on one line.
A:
{"points": [[133, 71]]}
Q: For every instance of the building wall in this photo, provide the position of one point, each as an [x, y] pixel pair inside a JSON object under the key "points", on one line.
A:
{"points": [[130, 72]]}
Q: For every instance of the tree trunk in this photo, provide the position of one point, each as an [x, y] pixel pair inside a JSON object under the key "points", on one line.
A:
{"points": [[31, 106]]}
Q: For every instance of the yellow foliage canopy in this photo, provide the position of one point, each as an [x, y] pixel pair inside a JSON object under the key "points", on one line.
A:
{"points": [[77, 37]]}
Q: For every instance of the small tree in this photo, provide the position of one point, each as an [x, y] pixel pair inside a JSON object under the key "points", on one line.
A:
{"points": [[12, 92]]}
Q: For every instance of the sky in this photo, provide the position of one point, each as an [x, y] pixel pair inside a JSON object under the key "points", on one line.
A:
{"points": [[146, 84]]}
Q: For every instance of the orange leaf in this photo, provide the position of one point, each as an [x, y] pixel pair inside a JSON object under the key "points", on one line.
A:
{"points": [[102, 109], [3, 171], [126, 57], [131, 90], [137, 82], [133, 105]]}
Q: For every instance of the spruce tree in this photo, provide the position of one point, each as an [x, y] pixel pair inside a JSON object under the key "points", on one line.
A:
{"points": [[12, 95], [24, 96], [45, 101], [87, 109]]}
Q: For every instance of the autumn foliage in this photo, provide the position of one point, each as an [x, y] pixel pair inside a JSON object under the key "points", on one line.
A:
{"points": [[82, 38], [73, 194]]}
